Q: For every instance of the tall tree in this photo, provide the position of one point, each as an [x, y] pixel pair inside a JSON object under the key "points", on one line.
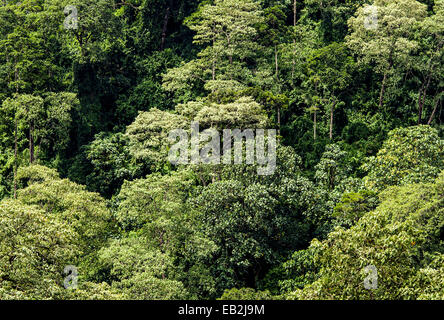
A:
{"points": [[429, 64], [394, 239], [226, 30], [272, 32], [389, 41], [29, 55], [329, 70], [409, 155], [26, 112]]}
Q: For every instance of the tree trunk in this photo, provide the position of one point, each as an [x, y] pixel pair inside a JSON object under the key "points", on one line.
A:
{"points": [[16, 77], [15, 159], [331, 119], [422, 97], [276, 62], [434, 111], [420, 106], [165, 28], [293, 62], [213, 71], [384, 81], [31, 143], [381, 95], [314, 126], [424, 87], [79, 38]]}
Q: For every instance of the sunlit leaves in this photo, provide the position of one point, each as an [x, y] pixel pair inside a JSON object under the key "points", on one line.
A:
{"points": [[409, 155]]}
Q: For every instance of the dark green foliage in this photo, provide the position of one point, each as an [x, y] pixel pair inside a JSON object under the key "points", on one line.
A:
{"points": [[254, 221], [354, 205]]}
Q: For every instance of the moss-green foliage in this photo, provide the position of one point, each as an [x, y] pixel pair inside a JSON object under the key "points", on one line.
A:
{"points": [[354, 205], [110, 156], [409, 155], [86, 212], [148, 136], [140, 273], [52, 224], [402, 237], [295, 273], [34, 250]]}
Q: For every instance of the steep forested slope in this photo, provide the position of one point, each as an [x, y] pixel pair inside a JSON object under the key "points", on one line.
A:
{"points": [[91, 90]]}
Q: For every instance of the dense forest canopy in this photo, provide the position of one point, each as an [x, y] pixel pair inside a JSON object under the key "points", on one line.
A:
{"points": [[90, 91]]}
